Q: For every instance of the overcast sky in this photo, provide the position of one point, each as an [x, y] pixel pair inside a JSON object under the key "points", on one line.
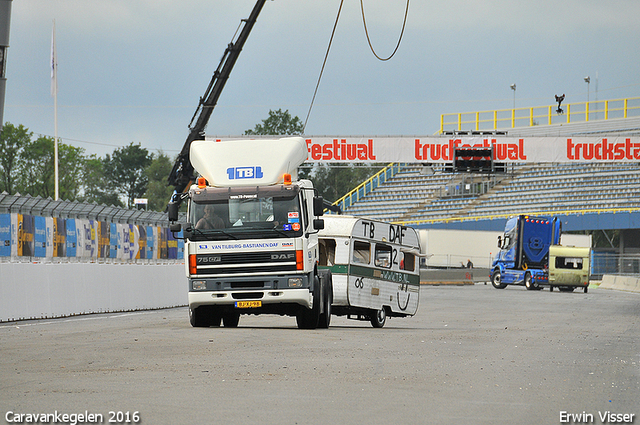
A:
{"points": [[134, 70]]}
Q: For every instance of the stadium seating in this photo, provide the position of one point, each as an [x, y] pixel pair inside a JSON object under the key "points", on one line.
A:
{"points": [[413, 195]]}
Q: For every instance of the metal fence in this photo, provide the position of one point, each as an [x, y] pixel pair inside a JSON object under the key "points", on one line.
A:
{"points": [[43, 230], [602, 263], [368, 186], [615, 264], [501, 119]]}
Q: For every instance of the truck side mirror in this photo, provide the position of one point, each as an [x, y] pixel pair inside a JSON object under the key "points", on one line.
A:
{"points": [[188, 231], [500, 242], [318, 206], [318, 224], [175, 227], [172, 211]]}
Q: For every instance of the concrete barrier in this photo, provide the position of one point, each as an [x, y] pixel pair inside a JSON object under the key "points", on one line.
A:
{"points": [[47, 290], [447, 276], [621, 283]]}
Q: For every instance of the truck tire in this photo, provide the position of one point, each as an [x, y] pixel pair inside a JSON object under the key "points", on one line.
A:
{"points": [[529, 283], [327, 290], [201, 317], [309, 318], [378, 318], [196, 318], [496, 280], [231, 319], [586, 289]]}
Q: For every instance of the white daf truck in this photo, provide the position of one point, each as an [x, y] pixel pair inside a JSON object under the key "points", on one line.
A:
{"points": [[374, 266], [251, 237]]}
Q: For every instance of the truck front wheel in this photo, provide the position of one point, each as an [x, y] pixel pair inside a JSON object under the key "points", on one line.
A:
{"points": [[231, 320], [196, 318], [201, 317], [496, 280], [309, 318], [327, 299]]}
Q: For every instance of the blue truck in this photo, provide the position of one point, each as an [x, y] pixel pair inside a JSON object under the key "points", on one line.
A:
{"points": [[524, 252]]}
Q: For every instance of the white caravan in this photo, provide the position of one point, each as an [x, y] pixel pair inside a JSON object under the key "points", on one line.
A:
{"points": [[374, 266]]}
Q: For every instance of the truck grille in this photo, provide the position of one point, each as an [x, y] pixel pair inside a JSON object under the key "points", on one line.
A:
{"points": [[245, 263]]}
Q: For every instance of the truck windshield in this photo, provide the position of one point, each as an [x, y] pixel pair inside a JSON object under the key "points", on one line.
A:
{"points": [[217, 215], [509, 239]]}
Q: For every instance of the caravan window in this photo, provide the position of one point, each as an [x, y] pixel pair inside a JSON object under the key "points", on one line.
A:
{"points": [[568, 263], [361, 252], [383, 256]]}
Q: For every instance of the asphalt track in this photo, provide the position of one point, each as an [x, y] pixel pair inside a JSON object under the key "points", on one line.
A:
{"points": [[472, 355]]}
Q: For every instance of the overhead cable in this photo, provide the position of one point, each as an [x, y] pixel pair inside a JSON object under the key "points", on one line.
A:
{"points": [[364, 22], [323, 64]]}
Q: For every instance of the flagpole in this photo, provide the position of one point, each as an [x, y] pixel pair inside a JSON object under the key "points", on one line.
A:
{"points": [[54, 91]]}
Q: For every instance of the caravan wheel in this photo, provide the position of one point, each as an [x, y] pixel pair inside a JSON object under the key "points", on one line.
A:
{"points": [[378, 318]]}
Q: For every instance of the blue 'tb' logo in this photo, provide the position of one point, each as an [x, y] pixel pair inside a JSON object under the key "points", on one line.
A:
{"points": [[244, 173]]}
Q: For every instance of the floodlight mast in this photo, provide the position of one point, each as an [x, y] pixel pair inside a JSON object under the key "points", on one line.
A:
{"points": [[182, 173]]}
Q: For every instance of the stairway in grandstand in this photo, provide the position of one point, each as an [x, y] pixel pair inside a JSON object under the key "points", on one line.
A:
{"points": [[425, 192]]}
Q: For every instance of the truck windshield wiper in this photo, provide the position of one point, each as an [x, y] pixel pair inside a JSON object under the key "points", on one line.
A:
{"points": [[209, 232], [282, 232], [214, 231]]}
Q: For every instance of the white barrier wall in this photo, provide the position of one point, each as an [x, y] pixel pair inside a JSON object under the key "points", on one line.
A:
{"points": [[453, 248], [47, 290], [621, 283]]}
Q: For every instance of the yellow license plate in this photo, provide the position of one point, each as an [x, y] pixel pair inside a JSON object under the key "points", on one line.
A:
{"points": [[248, 304]]}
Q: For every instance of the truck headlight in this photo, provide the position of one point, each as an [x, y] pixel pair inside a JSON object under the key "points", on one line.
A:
{"points": [[295, 282], [199, 285]]}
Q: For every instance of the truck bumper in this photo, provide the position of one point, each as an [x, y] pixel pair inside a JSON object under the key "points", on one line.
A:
{"points": [[301, 297]]}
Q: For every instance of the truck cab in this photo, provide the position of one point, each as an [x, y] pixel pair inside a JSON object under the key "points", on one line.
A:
{"points": [[252, 235], [523, 258]]}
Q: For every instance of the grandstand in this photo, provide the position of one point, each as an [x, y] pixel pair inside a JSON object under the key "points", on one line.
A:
{"points": [[424, 193], [419, 193]]}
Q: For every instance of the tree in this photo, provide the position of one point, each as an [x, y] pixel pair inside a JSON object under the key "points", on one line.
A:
{"points": [[36, 172], [70, 165], [125, 171], [158, 192], [97, 188], [332, 180], [278, 123], [12, 140]]}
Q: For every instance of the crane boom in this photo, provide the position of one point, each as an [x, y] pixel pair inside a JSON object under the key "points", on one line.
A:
{"points": [[182, 172]]}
